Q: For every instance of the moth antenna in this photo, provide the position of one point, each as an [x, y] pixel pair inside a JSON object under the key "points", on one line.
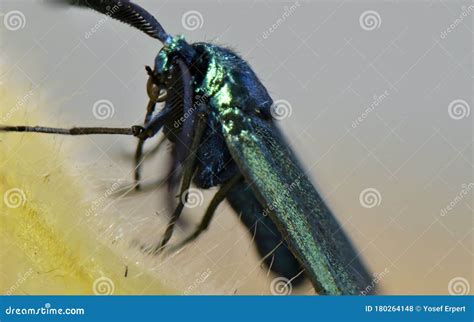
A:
{"points": [[126, 12]]}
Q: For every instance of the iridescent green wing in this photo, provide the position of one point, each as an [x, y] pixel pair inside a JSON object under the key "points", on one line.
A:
{"points": [[287, 195]]}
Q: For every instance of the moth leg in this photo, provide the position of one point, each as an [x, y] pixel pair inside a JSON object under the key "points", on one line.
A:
{"points": [[139, 159], [151, 152], [188, 171], [189, 138], [140, 144], [211, 210], [155, 124], [155, 96]]}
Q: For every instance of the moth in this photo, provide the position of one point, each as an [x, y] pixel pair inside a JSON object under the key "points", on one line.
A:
{"points": [[216, 114]]}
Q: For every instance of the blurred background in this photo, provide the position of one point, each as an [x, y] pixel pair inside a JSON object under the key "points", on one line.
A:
{"points": [[376, 100]]}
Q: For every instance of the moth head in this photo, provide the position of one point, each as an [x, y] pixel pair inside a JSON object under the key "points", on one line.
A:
{"points": [[159, 77], [174, 48]]}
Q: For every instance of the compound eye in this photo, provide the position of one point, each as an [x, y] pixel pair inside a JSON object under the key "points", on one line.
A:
{"points": [[154, 91]]}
